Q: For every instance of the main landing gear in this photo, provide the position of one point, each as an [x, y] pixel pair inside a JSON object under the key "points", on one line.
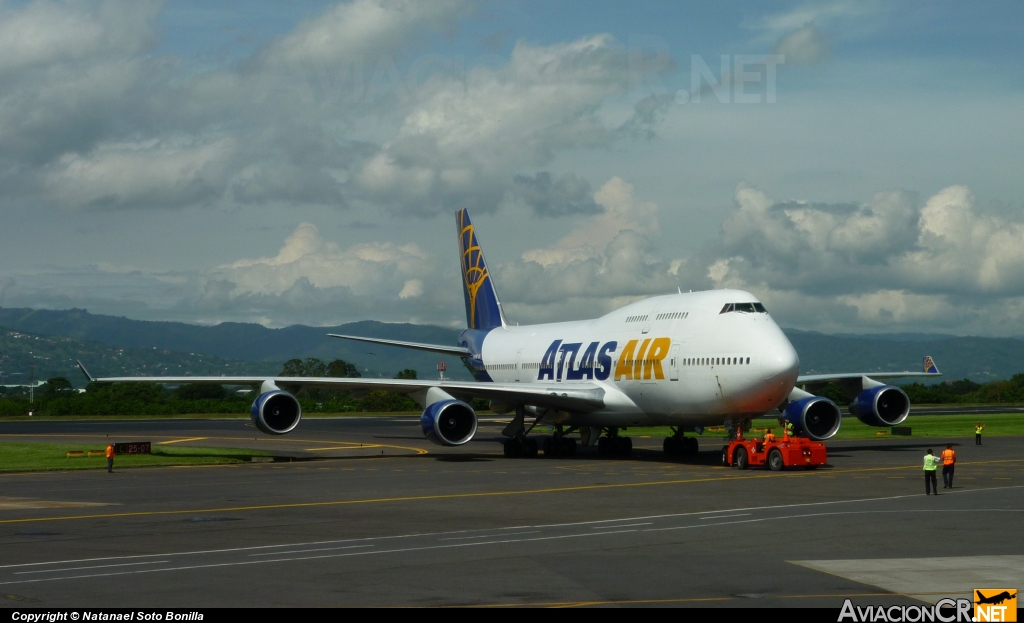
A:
{"points": [[679, 446], [558, 445], [527, 447], [612, 445], [520, 447], [518, 444]]}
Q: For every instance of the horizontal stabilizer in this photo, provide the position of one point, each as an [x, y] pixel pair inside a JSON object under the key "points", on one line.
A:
{"points": [[458, 351]]}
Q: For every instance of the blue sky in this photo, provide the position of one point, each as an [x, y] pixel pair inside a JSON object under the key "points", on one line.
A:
{"points": [[274, 163]]}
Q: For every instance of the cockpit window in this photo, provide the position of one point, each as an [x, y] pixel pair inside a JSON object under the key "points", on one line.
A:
{"points": [[747, 308]]}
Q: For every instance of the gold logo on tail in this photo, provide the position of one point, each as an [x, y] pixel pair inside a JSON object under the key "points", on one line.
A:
{"points": [[474, 272]]}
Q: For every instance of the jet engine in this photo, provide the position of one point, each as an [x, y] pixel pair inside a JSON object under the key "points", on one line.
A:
{"points": [[814, 417], [276, 412], [449, 422], [885, 405]]}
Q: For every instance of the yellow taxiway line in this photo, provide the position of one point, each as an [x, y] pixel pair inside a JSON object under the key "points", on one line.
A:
{"points": [[441, 496], [167, 443]]}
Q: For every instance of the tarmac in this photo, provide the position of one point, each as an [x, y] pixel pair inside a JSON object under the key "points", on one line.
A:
{"points": [[363, 511]]}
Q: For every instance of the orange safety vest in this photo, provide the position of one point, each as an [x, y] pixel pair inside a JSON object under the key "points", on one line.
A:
{"points": [[110, 452], [948, 457], [768, 438]]}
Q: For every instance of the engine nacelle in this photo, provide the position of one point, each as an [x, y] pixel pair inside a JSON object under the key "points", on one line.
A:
{"points": [[885, 405], [814, 417], [276, 412], [449, 422]]}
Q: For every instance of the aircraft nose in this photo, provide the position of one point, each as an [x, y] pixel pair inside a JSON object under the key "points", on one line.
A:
{"points": [[780, 360]]}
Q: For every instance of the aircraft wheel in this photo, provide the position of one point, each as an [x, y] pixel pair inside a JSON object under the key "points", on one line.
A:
{"points": [[550, 448], [624, 447], [740, 458], [775, 462], [692, 448], [530, 449], [513, 448], [568, 446], [669, 446], [604, 446]]}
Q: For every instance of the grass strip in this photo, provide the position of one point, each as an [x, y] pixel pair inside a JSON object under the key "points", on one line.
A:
{"points": [[30, 457]]}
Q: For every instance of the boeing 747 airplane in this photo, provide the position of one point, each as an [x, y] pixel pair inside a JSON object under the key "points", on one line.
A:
{"points": [[687, 361]]}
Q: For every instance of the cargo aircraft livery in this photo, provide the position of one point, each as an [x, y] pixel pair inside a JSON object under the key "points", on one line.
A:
{"points": [[686, 361]]}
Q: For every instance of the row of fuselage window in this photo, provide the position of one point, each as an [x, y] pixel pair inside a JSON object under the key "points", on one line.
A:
{"points": [[716, 361], [688, 361], [665, 316]]}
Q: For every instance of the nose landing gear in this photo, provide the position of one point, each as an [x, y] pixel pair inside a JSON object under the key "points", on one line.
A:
{"points": [[680, 446]]}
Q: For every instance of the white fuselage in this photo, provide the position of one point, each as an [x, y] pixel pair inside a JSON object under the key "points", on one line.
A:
{"points": [[670, 360]]}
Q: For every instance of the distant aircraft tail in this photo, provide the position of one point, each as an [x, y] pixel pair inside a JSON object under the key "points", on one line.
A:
{"points": [[483, 311], [929, 365]]}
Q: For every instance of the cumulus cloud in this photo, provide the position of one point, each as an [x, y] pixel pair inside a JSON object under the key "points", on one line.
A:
{"points": [[607, 260], [349, 30], [569, 194], [887, 262], [140, 175], [620, 210], [467, 135], [336, 112], [363, 268], [804, 46], [72, 73]]}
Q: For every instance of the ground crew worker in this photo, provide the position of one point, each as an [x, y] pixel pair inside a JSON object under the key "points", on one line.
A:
{"points": [[110, 458], [931, 462], [948, 461], [769, 436], [977, 433], [789, 428]]}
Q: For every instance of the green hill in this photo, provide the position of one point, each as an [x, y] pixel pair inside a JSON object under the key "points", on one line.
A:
{"points": [[120, 345], [55, 356]]}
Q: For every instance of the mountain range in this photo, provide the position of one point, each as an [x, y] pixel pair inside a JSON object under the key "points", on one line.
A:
{"points": [[118, 345]]}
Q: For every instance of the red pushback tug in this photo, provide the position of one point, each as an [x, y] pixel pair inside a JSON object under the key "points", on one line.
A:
{"points": [[790, 451]]}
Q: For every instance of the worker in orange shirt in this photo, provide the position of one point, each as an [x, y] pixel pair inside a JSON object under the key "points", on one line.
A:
{"points": [[110, 458], [948, 461], [769, 437]]}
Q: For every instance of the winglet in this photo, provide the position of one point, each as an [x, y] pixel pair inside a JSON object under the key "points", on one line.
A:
{"points": [[929, 365], [88, 376]]}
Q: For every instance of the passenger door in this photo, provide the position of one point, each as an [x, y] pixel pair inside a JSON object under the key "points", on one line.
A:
{"points": [[673, 363]]}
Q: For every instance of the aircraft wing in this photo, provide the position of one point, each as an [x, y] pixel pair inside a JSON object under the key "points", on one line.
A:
{"points": [[829, 378], [930, 369], [579, 397], [853, 382], [458, 351]]}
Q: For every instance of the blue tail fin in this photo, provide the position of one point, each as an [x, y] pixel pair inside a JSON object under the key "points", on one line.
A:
{"points": [[929, 365], [483, 311]]}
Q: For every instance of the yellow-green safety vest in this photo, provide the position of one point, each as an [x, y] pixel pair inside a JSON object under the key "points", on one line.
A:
{"points": [[930, 462]]}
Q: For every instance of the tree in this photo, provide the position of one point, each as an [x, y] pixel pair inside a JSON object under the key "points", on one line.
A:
{"points": [[56, 385], [200, 391], [343, 369], [292, 367], [408, 374], [310, 367]]}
